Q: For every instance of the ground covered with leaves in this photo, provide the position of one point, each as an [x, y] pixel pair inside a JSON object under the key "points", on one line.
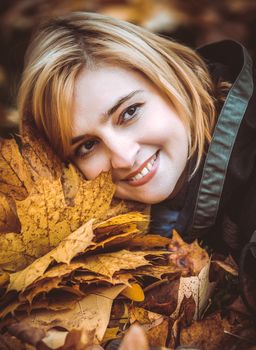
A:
{"points": [[78, 268]]}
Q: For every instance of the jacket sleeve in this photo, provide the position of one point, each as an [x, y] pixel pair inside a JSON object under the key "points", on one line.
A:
{"points": [[163, 220]]}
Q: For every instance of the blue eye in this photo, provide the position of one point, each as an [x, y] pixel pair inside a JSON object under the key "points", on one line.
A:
{"points": [[86, 147]]}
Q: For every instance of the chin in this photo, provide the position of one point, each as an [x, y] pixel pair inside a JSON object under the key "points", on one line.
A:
{"points": [[144, 198]]}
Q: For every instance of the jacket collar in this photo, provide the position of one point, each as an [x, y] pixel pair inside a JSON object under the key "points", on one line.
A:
{"points": [[235, 56]]}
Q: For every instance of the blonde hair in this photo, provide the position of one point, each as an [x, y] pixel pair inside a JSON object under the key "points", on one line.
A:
{"points": [[65, 45]]}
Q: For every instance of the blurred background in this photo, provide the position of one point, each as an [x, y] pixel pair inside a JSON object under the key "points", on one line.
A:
{"points": [[191, 22]]}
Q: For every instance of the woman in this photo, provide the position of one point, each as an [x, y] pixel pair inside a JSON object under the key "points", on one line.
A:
{"points": [[111, 96]]}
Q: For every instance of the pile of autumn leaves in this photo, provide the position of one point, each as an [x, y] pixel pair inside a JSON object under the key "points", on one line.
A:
{"points": [[73, 262]]}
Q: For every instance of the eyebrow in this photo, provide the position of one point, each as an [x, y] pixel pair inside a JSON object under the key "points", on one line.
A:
{"points": [[111, 111]]}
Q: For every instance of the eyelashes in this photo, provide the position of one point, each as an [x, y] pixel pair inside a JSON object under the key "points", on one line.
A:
{"points": [[86, 148], [128, 115]]}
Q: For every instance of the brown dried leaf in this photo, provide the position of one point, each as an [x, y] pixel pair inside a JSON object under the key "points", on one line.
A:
{"points": [[162, 298], [120, 224], [9, 342], [121, 240], [197, 287], [207, 334], [143, 316], [42, 286], [109, 263], [190, 257], [26, 333], [155, 325], [92, 312], [150, 241], [4, 279], [79, 339], [158, 271], [54, 339], [157, 333], [227, 265]]}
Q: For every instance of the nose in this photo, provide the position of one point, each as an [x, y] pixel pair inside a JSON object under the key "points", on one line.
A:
{"points": [[122, 153]]}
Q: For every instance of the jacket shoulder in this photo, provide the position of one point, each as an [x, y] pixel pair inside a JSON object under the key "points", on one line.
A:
{"points": [[226, 53]]}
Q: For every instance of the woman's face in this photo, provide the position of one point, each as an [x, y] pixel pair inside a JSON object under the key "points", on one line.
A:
{"points": [[124, 125]]}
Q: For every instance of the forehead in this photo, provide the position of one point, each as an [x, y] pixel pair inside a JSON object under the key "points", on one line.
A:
{"points": [[106, 83], [97, 90]]}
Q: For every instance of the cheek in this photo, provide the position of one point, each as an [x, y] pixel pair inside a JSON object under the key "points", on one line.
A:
{"points": [[161, 122]]}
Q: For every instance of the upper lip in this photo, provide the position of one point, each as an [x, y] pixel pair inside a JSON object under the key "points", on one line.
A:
{"points": [[134, 173]]}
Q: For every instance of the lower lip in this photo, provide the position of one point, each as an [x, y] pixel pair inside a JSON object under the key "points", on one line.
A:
{"points": [[147, 177]]}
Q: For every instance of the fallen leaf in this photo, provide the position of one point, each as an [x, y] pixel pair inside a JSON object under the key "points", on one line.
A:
{"points": [[25, 333], [162, 298], [35, 215], [134, 292], [15, 179], [150, 241], [143, 316], [8, 342], [80, 339], [159, 271], [155, 325], [111, 333], [227, 265], [157, 333], [109, 263], [9, 221], [190, 257], [54, 338], [4, 279], [199, 288], [207, 334], [91, 313], [73, 244], [38, 155], [120, 220]]}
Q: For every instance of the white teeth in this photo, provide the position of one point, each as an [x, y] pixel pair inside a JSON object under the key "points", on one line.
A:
{"points": [[150, 166], [145, 170], [138, 176]]}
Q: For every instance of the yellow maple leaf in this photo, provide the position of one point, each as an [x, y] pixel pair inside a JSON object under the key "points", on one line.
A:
{"points": [[15, 180], [75, 243], [109, 263], [8, 218], [37, 187]]}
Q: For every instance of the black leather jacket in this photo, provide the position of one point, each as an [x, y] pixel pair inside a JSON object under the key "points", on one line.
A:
{"points": [[219, 203]]}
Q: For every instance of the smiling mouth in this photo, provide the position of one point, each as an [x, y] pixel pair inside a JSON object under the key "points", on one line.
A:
{"points": [[146, 171]]}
